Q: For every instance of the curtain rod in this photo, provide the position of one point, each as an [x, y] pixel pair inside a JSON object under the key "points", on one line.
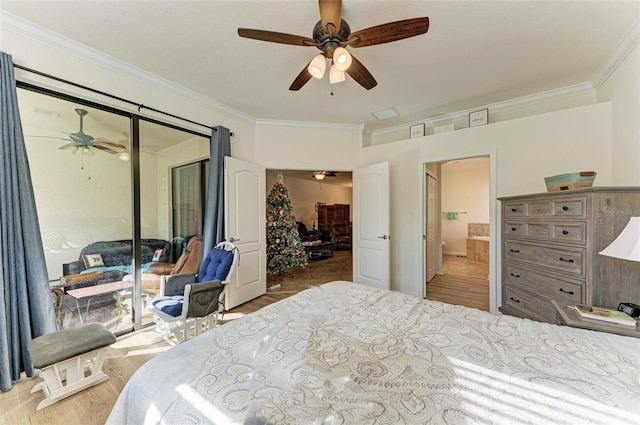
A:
{"points": [[130, 102]]}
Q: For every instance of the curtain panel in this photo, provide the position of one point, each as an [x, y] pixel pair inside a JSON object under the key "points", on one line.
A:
{"points": [[213, 228], [26, 307]]}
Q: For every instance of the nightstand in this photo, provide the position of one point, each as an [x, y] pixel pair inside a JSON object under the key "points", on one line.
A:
{"points": [[569, 317]]}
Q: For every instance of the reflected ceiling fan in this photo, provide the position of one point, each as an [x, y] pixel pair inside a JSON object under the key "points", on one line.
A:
{"points": [[331, 35], [86, 143]]}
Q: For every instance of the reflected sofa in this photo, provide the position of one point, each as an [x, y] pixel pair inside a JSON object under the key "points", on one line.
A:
{"points": [[115, 263]]}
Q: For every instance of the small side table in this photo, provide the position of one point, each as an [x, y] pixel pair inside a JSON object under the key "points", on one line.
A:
{"points": [[569, 317]]}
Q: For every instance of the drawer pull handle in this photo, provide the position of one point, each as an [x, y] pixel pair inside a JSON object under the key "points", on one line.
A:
{"points": [[514, 250], [565, 232], [566, 261], [514, 209], [515, 275], [513, 229], [515, 301], [566, 292], [565, 208]]}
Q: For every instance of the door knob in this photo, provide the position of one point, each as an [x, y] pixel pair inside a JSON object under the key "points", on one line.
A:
{"points": [[232, 240], [383, 237]]}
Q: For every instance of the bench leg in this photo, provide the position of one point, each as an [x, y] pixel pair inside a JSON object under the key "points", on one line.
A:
{"points": [[67, 377]]}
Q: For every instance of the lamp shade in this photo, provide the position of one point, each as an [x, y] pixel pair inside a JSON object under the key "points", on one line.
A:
{"points": [[627, 244], [317, 66], [335, 75], [342, 59]]}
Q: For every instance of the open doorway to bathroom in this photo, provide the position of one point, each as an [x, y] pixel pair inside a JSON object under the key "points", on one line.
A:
{"points": [[457, 206]]}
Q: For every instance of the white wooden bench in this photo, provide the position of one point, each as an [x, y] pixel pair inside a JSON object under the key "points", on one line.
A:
{"points": [[69, 360]]}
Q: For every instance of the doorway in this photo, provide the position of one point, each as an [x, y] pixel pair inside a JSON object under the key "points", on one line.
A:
{"points": [[306, 193], [457, 226]]}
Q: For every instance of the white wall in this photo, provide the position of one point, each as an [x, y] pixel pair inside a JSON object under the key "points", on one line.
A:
{"points": [[623, 88], [464, 188], [308, 147]]}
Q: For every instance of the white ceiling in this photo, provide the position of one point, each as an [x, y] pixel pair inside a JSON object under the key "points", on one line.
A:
{"points": [[475, 52]]}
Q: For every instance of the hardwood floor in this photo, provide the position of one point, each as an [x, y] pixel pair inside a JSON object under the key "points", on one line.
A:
{"points": [[464, 282], [92, 406]]}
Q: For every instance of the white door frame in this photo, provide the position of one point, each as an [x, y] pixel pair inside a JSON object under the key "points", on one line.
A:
{"points": [[494, 230]]}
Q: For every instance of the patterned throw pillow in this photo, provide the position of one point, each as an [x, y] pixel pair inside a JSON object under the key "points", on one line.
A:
{"points": [[92, 260], [158, 254]]}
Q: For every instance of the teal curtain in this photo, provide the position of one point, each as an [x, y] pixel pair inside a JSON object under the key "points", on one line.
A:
{"points": [[213, 228], [26, 307]]}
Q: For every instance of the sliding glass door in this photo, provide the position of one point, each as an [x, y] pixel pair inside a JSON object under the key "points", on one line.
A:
{"points": [[83, 193], [102, 184]]}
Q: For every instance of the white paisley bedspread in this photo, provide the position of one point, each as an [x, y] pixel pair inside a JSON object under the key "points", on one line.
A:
{"points": [[345, 353]]}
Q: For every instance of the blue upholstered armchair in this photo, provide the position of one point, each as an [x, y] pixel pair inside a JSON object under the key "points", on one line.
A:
{"points": [[193, 301]]}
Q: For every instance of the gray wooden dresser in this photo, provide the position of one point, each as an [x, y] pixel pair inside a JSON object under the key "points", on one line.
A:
{"points": [[550, 245]]}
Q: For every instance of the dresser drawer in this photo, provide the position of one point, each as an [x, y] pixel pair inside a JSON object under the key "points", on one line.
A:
{"points": [[547, 285], [514, 209], [574, 232], [535, 307], [564, 259], [571, 207]]}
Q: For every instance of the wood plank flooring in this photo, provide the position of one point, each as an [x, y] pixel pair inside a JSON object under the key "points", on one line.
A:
{"points": [[464, 282], [92, 406]]}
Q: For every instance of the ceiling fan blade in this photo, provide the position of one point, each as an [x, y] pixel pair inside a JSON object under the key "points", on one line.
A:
{"points": [[358, 72], [276, 37], [47, 137], [103, 142], [68, 146], [330, 13], [391, 31], [301, 79], [104, 148]]}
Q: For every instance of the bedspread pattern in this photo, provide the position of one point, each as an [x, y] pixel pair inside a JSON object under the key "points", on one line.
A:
{"points": [[345, 353]]}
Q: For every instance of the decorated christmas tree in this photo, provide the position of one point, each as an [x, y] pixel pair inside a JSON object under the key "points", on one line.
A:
{"points": [[284, 248]]}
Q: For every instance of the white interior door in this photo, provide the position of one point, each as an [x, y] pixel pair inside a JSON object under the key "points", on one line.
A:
{"points": [[431, 227], [371, 226], [245, 228]]}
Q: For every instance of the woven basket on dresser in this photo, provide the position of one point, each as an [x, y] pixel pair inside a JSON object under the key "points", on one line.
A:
{"points": [[570, 181]]}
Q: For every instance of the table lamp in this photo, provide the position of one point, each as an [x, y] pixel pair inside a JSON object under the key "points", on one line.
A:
{"points": [[627, 245], [314, 221]]}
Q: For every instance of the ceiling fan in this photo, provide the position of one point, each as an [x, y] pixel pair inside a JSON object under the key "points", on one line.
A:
{"points": [[86, 143], [331, 35], [320, 175]]}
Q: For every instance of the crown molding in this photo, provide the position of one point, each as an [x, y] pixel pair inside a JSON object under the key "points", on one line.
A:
{"points": [[307, 124], [518, 102], [618, 55], [71, 47]]}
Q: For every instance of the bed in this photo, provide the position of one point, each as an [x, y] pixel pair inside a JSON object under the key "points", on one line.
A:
{"points": [[345, 353]]}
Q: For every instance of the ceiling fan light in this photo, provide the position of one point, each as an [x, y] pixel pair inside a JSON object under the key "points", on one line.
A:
{"points": [[342, 59], [335, 75], [317, 66], [319, 176], [124, 156]]}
